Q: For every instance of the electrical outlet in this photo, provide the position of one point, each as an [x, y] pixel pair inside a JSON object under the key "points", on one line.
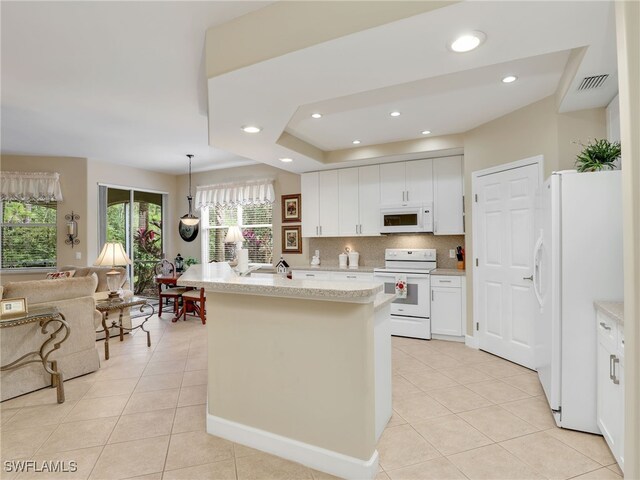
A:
{"points": [[452, 253], [78, 255]]}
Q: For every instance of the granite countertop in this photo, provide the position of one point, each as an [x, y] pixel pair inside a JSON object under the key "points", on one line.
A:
{"points": [[220, 278], [614, 310], [335, 268], [453, 272]]}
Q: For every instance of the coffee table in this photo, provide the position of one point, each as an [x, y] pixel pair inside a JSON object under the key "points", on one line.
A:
{"points": [[105, 307]]}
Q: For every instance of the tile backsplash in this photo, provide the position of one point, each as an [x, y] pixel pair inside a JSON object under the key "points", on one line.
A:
{"points": [[371, 249]]}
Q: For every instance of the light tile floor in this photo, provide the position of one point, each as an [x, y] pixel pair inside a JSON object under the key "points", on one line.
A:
{"points": [[458, 413]]}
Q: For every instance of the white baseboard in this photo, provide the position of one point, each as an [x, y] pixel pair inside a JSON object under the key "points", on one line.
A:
{"points": [[309, 455], [447, 338], [472, 342]]}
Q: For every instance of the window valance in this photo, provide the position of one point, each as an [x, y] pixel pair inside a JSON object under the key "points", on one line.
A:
{"points": [[30, 186], [241, 193]]}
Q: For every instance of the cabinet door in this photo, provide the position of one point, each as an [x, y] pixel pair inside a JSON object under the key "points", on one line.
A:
{"points": [[620, 417], [369, 199], [419, 177], [392, 183], [329, 203], [349, 204], [447, 196], [446, 311], [607, 401], [310, 204]]}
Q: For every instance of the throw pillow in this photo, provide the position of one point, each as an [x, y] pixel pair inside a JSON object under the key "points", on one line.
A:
{"points": [[56, 275]]}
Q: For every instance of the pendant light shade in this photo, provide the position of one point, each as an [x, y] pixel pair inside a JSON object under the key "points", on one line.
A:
{"points": [[189, 219]]}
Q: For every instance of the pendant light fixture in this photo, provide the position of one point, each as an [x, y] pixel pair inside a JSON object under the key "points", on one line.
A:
{"points": [[189, 219]]}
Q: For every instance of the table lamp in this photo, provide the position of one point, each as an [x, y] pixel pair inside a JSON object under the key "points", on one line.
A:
{"points": [[234, 235], [113, 255]]}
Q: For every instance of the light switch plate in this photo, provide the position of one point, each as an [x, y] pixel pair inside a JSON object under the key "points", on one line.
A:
{"points": [[452, 254], [78, 255]]}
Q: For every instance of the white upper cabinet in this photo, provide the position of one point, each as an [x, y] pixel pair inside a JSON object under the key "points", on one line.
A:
{"points": [[419, 181], [392, 183], [310, 204], [347, 201], [448, 196], [320, 204], [329, 203], [359, 192], [406, 182], [349, 214], [369, 199]]}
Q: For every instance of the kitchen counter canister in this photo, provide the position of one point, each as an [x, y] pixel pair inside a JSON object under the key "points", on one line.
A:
{"points": [[448, 271], [220, 278], [300, 369]]}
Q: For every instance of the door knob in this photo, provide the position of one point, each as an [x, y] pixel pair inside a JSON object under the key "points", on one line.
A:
{"points": [[530, 277]]}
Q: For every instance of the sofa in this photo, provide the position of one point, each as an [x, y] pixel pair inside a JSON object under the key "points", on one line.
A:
{"points": [[102, 291], [74, 298]]}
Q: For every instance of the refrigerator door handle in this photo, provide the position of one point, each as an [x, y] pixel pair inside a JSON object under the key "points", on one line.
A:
{"points": [[536, 270]]}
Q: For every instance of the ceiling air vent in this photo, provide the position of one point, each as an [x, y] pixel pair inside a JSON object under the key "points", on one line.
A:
{"points": [[589, 83]]}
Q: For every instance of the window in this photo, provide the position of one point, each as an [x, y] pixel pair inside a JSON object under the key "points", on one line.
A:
{"points": [[28, 235], [256, 222]]}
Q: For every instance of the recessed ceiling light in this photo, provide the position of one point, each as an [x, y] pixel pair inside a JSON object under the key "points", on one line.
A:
{"points": [[467, 42], [251, 129], [509, 79], [395, 114], [426, 132], [316, 115], [286, 160], [356, 142]]}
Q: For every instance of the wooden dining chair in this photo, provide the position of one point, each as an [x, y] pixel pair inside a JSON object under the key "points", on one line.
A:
{"points": [[175, 294], [194, 303]]}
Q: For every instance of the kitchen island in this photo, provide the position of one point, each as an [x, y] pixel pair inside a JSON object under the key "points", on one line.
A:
{"points": [[298, 368]]}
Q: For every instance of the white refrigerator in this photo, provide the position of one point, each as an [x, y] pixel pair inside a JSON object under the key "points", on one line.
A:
{"points": [[577, 260]]}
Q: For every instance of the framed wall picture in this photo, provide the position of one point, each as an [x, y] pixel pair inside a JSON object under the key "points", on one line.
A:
{"points": [[292, 239], [13, 307], [291, 208]]}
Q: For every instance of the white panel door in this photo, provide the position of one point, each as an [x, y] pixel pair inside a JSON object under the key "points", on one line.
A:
{"points": [[419, 180], [448, 194], [392, 183], [369, 199], [349, 218], [504, 244], [310, 204], [329, 203]]}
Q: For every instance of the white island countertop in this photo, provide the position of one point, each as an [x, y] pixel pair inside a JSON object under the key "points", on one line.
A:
{"points": [[220, 278]]}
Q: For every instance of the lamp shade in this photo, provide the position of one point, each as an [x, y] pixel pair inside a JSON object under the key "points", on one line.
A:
{"points": [[234, 235], [112, 254]]}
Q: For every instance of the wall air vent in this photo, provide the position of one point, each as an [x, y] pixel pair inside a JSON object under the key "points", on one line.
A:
{"points": [[589, 83]]}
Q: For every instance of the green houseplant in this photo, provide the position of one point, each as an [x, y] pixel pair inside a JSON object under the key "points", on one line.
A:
{"points": [[598, 155]]}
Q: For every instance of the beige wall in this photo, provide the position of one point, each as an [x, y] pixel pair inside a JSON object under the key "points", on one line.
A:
{"points": [[371, 249], [284, 183], [73, 175], [536, 129], [126, 177], [628, 43]]}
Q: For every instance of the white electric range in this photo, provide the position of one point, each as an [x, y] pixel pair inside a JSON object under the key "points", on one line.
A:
{"points": [[410, 316]]}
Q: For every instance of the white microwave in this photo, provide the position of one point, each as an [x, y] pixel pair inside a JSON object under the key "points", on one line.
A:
{"points": [[406, 219]]}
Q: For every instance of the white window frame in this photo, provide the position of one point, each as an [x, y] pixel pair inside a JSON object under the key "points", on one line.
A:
{"points": [[6, 271], [206, 227]]}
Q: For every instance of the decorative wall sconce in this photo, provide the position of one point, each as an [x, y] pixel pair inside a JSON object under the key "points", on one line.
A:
{"points": [[72, 228]]}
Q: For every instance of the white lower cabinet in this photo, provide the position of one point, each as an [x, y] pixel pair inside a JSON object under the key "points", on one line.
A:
{"points": [[610, 390], [332, 276], [448, 311]]}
